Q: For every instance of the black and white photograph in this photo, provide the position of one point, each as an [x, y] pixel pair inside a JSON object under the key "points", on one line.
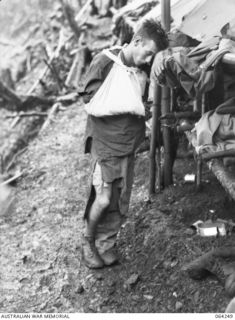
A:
{"points": [[117, 159]]}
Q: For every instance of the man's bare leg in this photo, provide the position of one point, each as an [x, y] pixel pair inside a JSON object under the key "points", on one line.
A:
{"points": [[90, 254], [109, 226]]}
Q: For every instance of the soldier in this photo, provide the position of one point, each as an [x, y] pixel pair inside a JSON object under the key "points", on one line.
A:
{"points": [[112, 142]]}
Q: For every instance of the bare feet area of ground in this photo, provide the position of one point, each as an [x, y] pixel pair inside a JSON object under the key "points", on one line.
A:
{"points": [[40, 234]]}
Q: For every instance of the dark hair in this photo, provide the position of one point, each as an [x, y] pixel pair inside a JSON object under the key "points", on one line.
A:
{"points": [[152, 29]]}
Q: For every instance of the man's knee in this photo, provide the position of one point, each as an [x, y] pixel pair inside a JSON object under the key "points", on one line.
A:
{"points": [[102, 200]]}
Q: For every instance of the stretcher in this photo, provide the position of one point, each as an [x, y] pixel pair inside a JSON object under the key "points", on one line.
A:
{"points": [[163, 155]]}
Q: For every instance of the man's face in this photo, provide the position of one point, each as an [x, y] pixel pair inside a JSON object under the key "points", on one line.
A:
{"points": [[143, 51]]}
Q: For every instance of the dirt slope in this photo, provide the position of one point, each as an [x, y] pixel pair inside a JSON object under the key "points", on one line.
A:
{"points": [[40, 238]]}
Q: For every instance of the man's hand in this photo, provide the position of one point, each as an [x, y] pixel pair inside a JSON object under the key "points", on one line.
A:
{"points": [[159, 63], [157, 70], [227, 44]]}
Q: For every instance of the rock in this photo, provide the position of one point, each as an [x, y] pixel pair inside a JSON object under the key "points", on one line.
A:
{"points": [[167, 264], [111, 283], [189, 231], [173, 277], [66, 291], [111, 290], [132, 280], [128, 258], [99, 276], [105, 301], [196, 297], [178, 305], [80, 289], [34, 206], [89, 276], [148, 297], [200, 307], [41, 212], [95, 305], [25, 259], [174, 263], [144, 308], [135, 298], [92, 308]]}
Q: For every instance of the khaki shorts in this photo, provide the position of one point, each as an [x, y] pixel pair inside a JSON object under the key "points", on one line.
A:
{"points": [[118, 171]]}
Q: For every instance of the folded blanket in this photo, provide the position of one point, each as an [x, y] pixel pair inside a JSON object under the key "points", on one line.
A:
{"points": [[215, 131]]}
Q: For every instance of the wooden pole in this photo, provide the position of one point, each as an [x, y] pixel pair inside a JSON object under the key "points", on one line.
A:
{"points": [[168, 161], [155, 140], [166, 14], [198, 172], [158, 135]]}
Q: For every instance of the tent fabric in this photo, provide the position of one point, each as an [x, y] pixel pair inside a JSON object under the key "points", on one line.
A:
{"points": [[207, 18], [179, 8], [200, 19]]}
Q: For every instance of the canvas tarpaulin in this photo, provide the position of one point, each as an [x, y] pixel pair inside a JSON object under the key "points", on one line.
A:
{"points": [[208, 18], [200, 19]]}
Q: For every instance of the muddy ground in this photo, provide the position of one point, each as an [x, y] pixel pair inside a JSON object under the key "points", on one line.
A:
{"points": [[41, 269]]}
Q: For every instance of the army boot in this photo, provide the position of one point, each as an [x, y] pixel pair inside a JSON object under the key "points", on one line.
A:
{"points": [[90, 255]]}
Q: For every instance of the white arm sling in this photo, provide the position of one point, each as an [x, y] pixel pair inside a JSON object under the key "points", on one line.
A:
{"points": [[120, 93]]}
